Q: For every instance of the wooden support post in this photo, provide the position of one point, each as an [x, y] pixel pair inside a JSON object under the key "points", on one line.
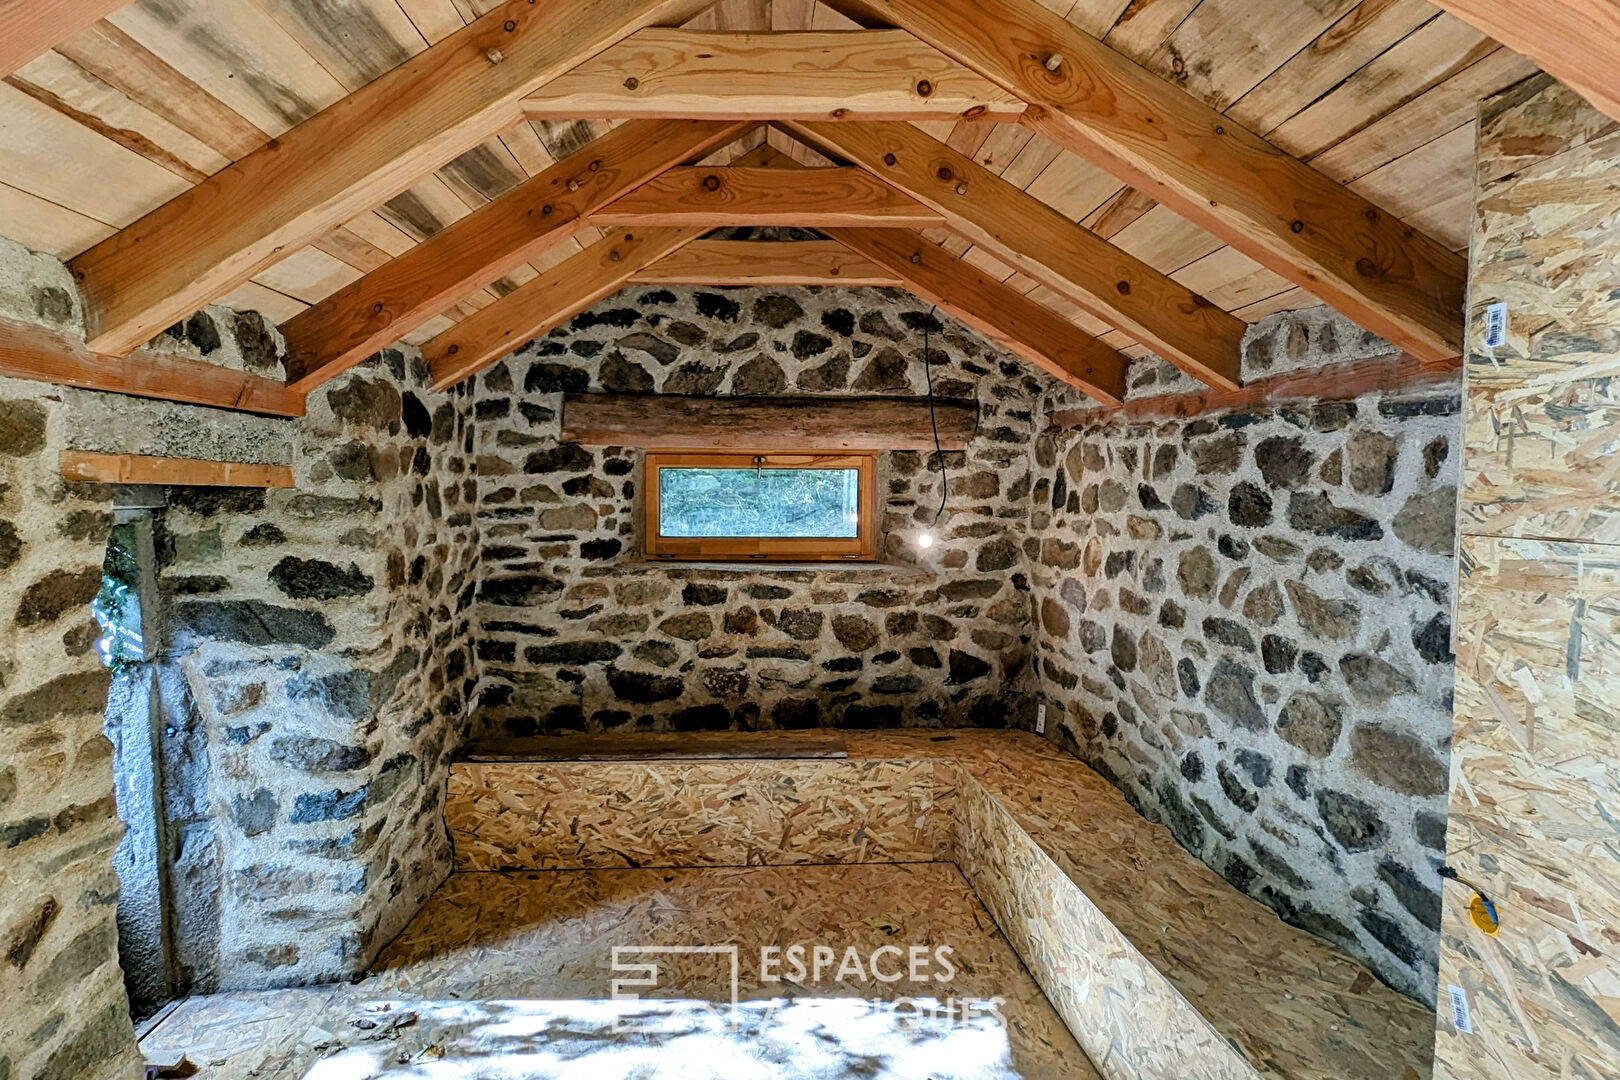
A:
{"points": [[739, 195], [34, 27], [815, 75], [765, 262], [1007, 317], [559, 294], [348, 158], [81, 466], [1288, 217], [546, 210], [1025, 233], [32, 352], [776, 424]]}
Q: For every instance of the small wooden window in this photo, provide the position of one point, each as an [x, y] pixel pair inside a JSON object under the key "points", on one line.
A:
{"points": [[760, 507]]}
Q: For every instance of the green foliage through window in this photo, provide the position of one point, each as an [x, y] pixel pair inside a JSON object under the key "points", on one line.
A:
{"points": [[115, 606], [723, 503]]}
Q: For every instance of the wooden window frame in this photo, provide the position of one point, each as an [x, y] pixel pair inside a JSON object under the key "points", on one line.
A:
{"points": [[862, 548]]}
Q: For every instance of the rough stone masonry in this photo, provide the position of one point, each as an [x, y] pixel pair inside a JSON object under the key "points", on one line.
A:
{"points": [[577, 633], [1245, 625], [1240, 619]]}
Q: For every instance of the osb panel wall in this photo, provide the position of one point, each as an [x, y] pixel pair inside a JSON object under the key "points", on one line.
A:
{"points": [[1535, 793], [318, 643], [1245, 625], [577, 633]]}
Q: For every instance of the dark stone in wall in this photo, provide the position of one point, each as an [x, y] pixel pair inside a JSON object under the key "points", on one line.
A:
{"points": [[250, 622], [57, 594], [313, 579], [22, 428]]}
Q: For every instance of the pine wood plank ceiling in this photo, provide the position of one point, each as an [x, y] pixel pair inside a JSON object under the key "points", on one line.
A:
{"points": [[1377, 95]]}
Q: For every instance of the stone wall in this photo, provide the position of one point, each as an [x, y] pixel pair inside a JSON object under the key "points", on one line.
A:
{"points": [[1246, 627], [318, 647], [577, 633], [65, 1011]]}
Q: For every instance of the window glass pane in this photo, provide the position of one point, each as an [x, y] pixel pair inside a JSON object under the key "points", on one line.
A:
{"points": [[803, 503]]}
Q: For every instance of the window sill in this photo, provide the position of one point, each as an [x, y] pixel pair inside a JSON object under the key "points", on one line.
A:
{"points": [[643, 566]]}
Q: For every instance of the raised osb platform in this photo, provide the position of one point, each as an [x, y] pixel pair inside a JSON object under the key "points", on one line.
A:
{"points": [[509, 975], [1156, 963]]}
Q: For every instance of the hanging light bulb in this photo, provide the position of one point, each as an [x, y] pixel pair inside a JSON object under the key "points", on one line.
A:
{"points": [[926, 540]]}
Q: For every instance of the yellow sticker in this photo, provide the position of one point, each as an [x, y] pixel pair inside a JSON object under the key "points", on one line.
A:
{"points": [[1483, 912]]}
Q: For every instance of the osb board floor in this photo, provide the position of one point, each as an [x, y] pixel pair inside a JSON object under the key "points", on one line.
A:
{"points": [[510, 975], [1295, 1005]]}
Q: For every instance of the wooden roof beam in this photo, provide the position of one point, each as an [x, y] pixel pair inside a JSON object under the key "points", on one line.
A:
{"points": [[1025, 233], [344, 160], [765, 262], [741, 195], [547, 301], [35, 27], [1002, 314], [546, 210], [32, 352], [1575, 41], [1087, 98], [812, 75], [671, 421]]}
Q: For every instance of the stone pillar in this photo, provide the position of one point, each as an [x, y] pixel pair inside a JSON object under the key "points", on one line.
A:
{"points": [[1535, 779], [64, 1012]]}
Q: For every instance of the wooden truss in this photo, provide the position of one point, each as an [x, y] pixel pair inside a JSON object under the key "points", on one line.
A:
{"points": [[635, 205]]}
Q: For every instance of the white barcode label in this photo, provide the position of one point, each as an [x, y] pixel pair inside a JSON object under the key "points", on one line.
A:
{"points": [[1459, 1010], [1496, 326]]}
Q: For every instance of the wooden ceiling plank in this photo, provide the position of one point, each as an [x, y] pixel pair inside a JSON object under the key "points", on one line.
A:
{"points": [[874, 74], [52, 156], [111, 55], [345, 159], [1576, 41], [61, 84], [1425, 118], [488, 243], [34, 27], [1250, 44], [238, 54], [1386, 276], [1434, 53], [32, 352], [1031, 236], [1005, 316], [765, 262], [740, 195], [1365, 32], [42, 225], [550, 299]]}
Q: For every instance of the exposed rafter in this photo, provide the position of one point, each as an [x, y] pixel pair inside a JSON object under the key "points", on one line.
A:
{"points": [[32, 352], [1577, 41], [740, 195], [765, 262], [557, 295], [549, 209], [344, 160], [873, 75], [1272, 207], [1004, 315], [1025, 233], [34, 27]]}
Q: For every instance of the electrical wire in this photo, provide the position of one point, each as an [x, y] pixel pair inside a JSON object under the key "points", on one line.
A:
{"points": [[939, 454]]}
